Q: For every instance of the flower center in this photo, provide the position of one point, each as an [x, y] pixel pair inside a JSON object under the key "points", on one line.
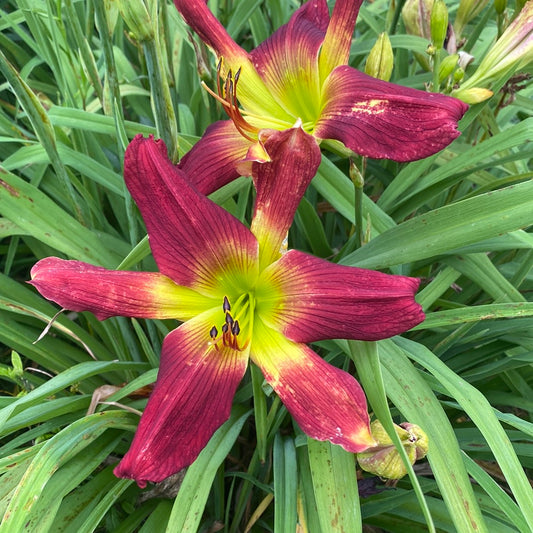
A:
{"points": [[236, 330], [227, 96]]}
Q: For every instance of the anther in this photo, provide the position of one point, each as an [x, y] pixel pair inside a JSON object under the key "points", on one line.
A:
{"points": [[229, 319], [213, 332], [236, 329], [226, 306]]}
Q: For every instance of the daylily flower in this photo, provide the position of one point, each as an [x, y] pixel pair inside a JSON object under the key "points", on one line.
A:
{"points": [[300, 75], [238, 298]]}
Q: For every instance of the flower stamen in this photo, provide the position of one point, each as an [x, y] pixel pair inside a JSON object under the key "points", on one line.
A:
{"points": [[227, 96], [230, 329]]}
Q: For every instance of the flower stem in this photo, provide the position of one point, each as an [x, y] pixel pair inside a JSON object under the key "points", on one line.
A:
{"points": [[358, 181]]}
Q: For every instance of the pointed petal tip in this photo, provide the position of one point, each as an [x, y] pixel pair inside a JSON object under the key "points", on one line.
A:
{"points": [[192, 398]]}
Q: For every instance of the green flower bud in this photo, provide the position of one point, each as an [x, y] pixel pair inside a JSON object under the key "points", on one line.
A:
{"points": [[380, 61], [137, 18], [416, 16], [467, 10], [447, 65], [458, 75], [475, 95], [511, 52], [439, 23], [500, 6], [384, 460]]}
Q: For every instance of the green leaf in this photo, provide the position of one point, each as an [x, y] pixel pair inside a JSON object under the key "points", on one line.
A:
{"points": [[285, 484], [335, 487], [415, 400], [190, 502], [447, 228]]}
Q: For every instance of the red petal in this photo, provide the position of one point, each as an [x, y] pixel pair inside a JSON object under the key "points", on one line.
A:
{"points": [[252, 93], [211, 163], [192, 398], [381, 120], [336, 48], [82, 287], [194, 241], [280, 186], [200, 18], [327, 403], [322, 300], [288, 60]]}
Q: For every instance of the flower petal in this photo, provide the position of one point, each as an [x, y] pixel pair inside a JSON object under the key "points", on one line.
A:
{"points": [[200, 18], [195, 242], [192, 398], [82, 287], [326, 402], [336, 47], [252, 94], [381, 120], [321, 300], [287, 60], [280, 186], [211, 162]]}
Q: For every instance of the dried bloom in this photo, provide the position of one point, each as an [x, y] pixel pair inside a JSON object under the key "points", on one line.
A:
{"points": [[384, 460]]}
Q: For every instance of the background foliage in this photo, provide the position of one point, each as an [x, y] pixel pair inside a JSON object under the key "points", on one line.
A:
{"points": [[76, 86]]}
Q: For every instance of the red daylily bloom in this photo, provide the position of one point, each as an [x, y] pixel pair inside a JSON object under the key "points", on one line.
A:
{"points": [[238, 297], [299, 75]]}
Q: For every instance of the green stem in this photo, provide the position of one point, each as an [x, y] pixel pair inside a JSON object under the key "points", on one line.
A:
{"points": [[162, 106], [358, 181], [365, 355], [436, 67]]}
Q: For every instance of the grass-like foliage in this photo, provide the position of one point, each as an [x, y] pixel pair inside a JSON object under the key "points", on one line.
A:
{"points": [[76, 84]]}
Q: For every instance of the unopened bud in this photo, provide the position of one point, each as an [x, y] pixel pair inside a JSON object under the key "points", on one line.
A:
{"points": [[467, 10], [447, 65], [356, 176], [475, 95], [111, 15], [416, 16], [511, 52], [458, 75], [500, 5], [136, 16], [384, 460], [439, 23], [380, 61]]}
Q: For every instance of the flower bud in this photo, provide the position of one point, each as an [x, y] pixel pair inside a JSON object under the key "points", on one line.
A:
{"points": [[475, 95], [458, 75], [380, 61], [384, 460], [500, 5], [416, 16], [439, 23], [136, 16], [447, 65], [467, 10], [511, 52], [111, 15]]}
